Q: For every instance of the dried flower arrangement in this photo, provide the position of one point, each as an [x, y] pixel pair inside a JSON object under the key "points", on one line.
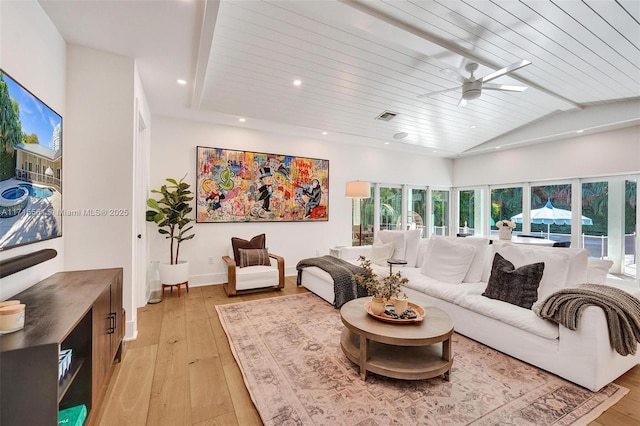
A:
{"points": [[386, 287]]}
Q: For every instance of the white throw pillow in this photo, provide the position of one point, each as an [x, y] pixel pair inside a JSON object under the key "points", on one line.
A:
{"points": [[397, 239], [423, 244], [483, 249], [577, 265], [447, 261], [380, 253], [597, 270], [411, 240], [556, 264]]}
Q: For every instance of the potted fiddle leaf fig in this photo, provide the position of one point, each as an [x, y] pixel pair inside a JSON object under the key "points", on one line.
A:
{"points": [[170, 213]]}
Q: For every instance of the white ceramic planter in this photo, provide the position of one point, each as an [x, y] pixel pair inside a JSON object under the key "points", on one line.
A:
{"points": [[504, 233], [400, 304], [174, 274]]}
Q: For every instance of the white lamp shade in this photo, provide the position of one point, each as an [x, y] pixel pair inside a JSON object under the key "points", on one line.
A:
{"points": [[357, 189]]}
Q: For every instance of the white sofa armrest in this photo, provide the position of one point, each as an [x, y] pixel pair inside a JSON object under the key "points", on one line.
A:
{"points": [[352, 253]]}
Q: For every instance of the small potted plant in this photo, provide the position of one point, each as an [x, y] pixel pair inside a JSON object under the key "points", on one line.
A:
{"points": [[170, 214], [382, 289], [505, 228]]}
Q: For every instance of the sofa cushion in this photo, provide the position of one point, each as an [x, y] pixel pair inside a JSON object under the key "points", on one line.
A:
{"points": [[405, 243], [380, 253], [257, 277], [256, 242], [447, 261], [397, 239], [578, 265], [524, 319], [253, 257], [518, 286], [597, 270], [411, 240], [483, 250], [556, 263], [423, 244], [436, 288]]}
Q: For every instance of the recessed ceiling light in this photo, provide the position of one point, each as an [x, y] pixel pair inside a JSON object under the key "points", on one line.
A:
{"points": [[325, 133], [473, 126], [182, 82], [435, 150], [497, 147], [297, 82], [242, 119], [386, 143], [579, 131]]}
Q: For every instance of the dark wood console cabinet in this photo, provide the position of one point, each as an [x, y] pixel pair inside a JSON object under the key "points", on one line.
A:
{"points": [[79, 310]]}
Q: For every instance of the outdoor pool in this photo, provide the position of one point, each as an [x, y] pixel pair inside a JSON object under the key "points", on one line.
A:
{"points": [[34, 191]]}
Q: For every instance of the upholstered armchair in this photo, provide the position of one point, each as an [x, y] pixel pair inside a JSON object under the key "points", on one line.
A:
{"points": [[250, 267]]}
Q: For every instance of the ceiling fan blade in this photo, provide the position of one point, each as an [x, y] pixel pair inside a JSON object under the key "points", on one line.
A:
{"points": [[503, 87], [426, 95], [505, 70], [453, 74]]}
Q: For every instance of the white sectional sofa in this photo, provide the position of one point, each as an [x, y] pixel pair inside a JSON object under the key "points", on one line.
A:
{"points": [[452, 273]]}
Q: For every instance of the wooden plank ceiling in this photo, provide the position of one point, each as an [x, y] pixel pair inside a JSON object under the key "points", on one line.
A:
{"points": [[359, 59]]}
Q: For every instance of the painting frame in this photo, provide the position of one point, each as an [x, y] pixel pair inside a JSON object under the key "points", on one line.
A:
{"points": [[30, 167], [235, 186]]}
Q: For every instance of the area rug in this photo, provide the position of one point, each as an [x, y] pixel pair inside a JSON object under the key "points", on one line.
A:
{"points": [[288, 349]]}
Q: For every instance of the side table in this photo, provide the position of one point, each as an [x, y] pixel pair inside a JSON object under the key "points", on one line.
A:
{"points": [[392, 262]]}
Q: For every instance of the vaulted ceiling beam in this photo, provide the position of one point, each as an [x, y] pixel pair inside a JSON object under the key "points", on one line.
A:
{"points": [[365, 8]]}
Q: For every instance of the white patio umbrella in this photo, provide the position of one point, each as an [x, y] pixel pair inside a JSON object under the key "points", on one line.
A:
{"points": [[550, 215]]}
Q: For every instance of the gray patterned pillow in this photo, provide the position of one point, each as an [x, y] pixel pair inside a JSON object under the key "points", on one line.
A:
{"points": [[516, 286], [254, 257]]}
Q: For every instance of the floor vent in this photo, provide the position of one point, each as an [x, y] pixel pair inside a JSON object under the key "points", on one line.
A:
{"points": [[387, 116]]}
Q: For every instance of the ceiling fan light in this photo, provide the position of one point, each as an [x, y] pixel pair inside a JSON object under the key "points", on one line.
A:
{"points": [[471, 90], [471, 94]]}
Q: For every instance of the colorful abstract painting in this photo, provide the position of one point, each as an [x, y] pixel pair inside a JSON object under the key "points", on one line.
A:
{"points": [[244, 186]]}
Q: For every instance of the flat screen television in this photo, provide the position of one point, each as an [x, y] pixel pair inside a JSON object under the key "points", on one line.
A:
{"points": [[30, 167]]}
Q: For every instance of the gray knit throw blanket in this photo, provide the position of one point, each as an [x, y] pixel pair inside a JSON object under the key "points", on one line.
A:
{"points": [[345, 287], [621, 309]]}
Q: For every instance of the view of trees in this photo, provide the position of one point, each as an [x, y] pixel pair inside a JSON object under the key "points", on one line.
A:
{"points": [[507, 202], [10, 131]]}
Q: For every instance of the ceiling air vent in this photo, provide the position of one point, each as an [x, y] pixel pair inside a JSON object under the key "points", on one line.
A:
{"points": [[387, 116]]}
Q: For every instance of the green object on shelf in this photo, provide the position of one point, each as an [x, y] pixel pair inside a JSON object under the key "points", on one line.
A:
{"points": [[73, 416]]}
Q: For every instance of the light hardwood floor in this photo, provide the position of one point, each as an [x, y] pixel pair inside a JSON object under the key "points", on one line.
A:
{"points": [[180, 370]]}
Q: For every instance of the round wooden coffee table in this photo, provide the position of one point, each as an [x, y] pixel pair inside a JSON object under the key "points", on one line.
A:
{"points": [[402, 351]]}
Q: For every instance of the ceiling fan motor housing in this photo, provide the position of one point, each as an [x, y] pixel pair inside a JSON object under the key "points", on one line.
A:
{"points": [[471, 89]]}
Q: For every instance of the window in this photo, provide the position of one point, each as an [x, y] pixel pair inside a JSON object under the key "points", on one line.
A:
{"points": [[551, 211], [595, 222], [390, 207], [417, 207], [470, 208], [630, 227], [505, 204], [440, 212]]}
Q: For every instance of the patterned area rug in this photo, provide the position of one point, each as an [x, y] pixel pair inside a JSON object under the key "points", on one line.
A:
{"points": [[288, 349]]}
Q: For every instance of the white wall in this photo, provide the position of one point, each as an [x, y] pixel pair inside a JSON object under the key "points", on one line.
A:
{"points": [[599, 154], [34, 53], [173, 153], [99, 164]]}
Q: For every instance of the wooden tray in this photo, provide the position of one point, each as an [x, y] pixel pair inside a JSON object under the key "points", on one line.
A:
{"points": [[417, 308]]}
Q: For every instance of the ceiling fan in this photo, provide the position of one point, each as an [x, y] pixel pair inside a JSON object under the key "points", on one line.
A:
{"points": [[472, 86]]}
